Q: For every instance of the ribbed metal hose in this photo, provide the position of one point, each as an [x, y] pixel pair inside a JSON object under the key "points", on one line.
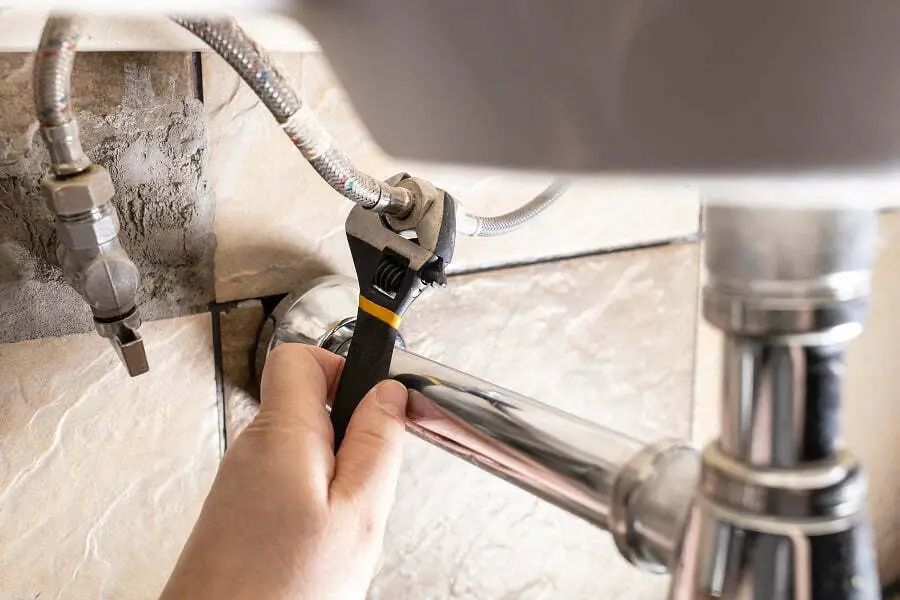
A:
{"points": [[52, 94], [255, 67], [53, 70], [477, 226]]}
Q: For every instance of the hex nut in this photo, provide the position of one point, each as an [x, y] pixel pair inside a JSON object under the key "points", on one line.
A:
{"points": [[83, 235], [79, 193]]}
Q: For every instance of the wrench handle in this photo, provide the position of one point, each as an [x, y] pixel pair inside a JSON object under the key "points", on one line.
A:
{"points": [[368, 362]]}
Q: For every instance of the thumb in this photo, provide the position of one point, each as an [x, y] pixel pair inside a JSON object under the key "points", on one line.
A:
{"points": [[368, 461]]}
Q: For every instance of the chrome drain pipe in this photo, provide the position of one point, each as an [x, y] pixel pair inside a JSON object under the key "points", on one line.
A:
{"points": [[640, 493]]}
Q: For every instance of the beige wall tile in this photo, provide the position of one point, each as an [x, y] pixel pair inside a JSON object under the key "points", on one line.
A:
{"points": [[707, 370], [277, 224], [607, 337], [272, 228], [102, 476], [707, 382], [871, 410], [457, 532]]}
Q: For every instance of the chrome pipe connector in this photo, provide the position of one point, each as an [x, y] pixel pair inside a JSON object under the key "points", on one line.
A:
{"points": [[648, 499], [641, 494], [774, 271]]}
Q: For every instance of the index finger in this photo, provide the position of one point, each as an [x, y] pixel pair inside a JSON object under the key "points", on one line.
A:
{"points": [[296, 383], [297, 375]]}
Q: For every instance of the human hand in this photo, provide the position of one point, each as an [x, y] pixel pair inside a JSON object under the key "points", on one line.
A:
{"points": [[285, 517]]}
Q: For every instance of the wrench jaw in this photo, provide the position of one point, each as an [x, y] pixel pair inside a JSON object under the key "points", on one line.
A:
{"points": [[396, 258], [388, 277], [432, 220]]}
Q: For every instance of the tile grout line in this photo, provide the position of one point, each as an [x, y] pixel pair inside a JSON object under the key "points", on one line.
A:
{"points": [[686, 239], [216, 312], [197, 75]]}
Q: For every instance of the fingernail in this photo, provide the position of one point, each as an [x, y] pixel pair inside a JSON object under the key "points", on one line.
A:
{"points": [[391, 396]]}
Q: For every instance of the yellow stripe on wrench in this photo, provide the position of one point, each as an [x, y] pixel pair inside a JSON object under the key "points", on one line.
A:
{"points": [[379, 312]]}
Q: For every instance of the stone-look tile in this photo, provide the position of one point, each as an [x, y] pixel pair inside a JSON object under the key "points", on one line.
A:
{"points": [[707, 370], [871, 407], [707, 382], [139, 118], [278, 224], [871, 410], [607, 337], [239, 327], [457, 532], [102, 476]]}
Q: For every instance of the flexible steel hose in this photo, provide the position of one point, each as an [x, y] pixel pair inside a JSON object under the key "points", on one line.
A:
{"points": [[52, 94], [53, 70], [477, 226], [255, 67]]}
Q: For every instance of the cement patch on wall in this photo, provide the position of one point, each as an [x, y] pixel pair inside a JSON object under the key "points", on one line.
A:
{"points": [[140, 119]]}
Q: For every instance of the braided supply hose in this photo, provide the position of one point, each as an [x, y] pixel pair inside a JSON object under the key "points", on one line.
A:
{"points": [[259, 71], [474, 225], [52, 94]]}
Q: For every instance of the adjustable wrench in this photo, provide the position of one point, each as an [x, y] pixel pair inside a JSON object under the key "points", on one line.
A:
{"points": [[395, 259]]}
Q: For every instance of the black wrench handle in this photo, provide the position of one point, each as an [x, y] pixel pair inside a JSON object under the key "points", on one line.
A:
{"points": [[368, 362]]}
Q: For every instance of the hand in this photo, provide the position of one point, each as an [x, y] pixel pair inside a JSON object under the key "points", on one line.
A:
{"points": [[285, 517]]}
